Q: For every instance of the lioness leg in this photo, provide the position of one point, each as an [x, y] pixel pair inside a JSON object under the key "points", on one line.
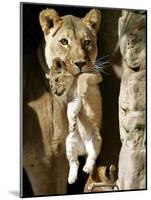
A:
{"points": [[43, 176]]}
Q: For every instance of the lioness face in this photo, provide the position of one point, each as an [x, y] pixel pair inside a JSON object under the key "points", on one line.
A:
{"points": [[71, 38]]}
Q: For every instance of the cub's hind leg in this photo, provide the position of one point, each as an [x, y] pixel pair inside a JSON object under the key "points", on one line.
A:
{"points": [[72, 140], [72, 156], [73, 109], [93, 147]]}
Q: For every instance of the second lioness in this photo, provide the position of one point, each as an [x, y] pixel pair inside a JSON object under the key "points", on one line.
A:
{"points": [[84, 111]]}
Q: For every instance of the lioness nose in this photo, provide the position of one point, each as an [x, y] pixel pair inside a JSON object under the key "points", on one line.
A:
{"points": [[80, 64]]}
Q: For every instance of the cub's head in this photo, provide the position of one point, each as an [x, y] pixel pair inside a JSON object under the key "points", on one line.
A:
{"points": [[60, 77], [70, 37]]}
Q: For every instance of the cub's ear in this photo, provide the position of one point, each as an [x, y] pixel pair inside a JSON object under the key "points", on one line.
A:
{"points": [[93, 19], [58, 64], [48, 19], [110, 171], [47, 76]]}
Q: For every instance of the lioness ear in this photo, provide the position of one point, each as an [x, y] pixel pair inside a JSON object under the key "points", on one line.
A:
{"points": [[48, 19], [93, 19]]}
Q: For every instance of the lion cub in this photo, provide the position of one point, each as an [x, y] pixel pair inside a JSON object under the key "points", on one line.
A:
{"points": [[83, 99], [102, 179]]}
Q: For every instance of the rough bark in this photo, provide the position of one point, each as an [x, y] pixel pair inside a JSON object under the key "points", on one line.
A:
{"points": [[132, 102]]}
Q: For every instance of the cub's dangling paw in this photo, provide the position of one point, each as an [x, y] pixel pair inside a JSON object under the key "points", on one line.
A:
{"points": [[72, 178], [88, 167], [73, 173]]}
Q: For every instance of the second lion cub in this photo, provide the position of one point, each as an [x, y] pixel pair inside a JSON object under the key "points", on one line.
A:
{"points": [[82, 96]]}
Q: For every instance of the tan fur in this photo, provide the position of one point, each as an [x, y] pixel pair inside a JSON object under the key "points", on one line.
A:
{"points": [[80, 34], [82, 96], [45, 120]]}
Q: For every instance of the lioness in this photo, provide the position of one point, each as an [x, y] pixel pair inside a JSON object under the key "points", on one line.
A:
{"points": [[84, 114], [45, 120]]}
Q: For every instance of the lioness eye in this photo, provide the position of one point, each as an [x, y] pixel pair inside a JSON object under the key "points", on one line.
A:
{"points": [[64, 41], [87, 42]]}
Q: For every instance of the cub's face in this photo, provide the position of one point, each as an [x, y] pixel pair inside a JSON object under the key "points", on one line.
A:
{"points": [[60, 77], [71, 38]]}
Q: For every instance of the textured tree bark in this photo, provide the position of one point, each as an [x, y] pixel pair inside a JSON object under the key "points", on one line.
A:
{"points": [[132, 102]]}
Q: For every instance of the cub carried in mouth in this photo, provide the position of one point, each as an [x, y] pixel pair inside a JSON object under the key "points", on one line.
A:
{"points": [[82, 96]]}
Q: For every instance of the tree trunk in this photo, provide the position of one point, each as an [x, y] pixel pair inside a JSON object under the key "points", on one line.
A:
{"points": [[132, 102]]}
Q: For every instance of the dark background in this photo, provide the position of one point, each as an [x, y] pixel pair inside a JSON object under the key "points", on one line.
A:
{"points": [[31, 35]]}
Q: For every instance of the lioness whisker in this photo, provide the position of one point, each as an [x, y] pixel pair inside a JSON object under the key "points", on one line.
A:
{"points": [[102, 63], [103, 66], [101, 58]]}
